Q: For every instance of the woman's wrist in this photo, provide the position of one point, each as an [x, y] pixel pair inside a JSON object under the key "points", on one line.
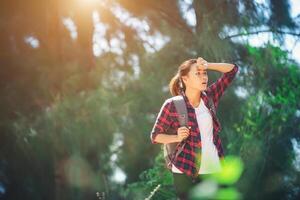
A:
{"points": [[177, 139]]}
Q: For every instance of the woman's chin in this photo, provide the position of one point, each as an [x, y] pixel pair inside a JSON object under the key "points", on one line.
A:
{"points": [[204, 88]]}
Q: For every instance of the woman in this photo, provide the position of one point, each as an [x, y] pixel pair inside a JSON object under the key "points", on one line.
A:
{"points": [[203, 151]]}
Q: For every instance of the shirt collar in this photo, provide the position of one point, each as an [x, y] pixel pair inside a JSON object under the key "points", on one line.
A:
{"points": [[202, 96]]}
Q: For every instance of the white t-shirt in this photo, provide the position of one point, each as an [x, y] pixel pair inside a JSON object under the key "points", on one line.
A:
{"points": [[210, 162]]}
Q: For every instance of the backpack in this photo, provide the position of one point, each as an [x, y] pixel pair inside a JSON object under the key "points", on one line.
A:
{"points": [[172, 150]]}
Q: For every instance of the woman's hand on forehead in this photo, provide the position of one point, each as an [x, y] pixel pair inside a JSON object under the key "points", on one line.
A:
{"points": [[201, 64]]}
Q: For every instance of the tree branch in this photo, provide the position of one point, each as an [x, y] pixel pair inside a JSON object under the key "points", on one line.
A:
{"points": [[262, 31]]}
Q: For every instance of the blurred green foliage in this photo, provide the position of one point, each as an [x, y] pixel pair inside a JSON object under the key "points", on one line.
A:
{"points": [[72, 121]]}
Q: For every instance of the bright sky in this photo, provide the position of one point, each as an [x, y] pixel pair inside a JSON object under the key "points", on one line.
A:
{"points": [[291, 43], [156, 41]]}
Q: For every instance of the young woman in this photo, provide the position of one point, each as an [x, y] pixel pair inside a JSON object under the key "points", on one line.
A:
{"points": [[203, 151]]}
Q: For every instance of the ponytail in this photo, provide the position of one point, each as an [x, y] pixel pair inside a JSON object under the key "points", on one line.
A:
{"points": [[176, 85]]}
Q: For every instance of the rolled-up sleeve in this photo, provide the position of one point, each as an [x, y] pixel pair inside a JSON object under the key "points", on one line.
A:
{"points": [[162, 122], [218, 88]]}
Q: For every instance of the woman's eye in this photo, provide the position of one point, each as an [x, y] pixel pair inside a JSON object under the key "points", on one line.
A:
{"points": [[198, 73]]}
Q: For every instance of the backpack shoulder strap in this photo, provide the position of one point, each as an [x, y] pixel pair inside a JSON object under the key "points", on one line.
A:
{"points": [[210, 102], [181, 110]]}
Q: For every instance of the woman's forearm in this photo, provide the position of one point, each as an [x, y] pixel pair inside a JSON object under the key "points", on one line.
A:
{"points": [[166, 138], [221, 67]]}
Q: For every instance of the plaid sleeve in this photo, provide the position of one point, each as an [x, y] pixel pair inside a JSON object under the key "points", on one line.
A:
{"points": [[162, 121], [218, 87]]}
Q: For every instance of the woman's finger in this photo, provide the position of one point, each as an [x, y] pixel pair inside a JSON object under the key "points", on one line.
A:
{"points": [[183, 129], [183, 133]]}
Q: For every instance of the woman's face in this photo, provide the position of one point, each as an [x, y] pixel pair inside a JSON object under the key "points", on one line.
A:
{"points": [[196, 78]]}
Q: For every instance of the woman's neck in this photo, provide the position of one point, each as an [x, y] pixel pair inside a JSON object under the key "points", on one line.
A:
{"points": [[193, 96]]}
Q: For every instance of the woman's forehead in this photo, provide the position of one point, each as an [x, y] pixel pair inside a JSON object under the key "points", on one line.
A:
{"points": [[194, 68]]}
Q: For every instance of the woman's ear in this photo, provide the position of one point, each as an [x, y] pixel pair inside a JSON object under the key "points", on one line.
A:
{"points": [[184, 79]]}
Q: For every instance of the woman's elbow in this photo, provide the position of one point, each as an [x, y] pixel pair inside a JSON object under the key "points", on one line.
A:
{"points": [[153, 137]]}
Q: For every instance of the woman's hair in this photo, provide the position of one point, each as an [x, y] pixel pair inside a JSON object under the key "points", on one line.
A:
{"points": [[176, 84]]}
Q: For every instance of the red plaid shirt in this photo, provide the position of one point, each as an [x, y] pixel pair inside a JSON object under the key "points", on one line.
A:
{"points": [[188, 161]]}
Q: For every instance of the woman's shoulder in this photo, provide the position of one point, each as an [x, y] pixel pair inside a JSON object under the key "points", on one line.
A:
{"points": [[169, 106], [169, 103], [173, 98]]}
